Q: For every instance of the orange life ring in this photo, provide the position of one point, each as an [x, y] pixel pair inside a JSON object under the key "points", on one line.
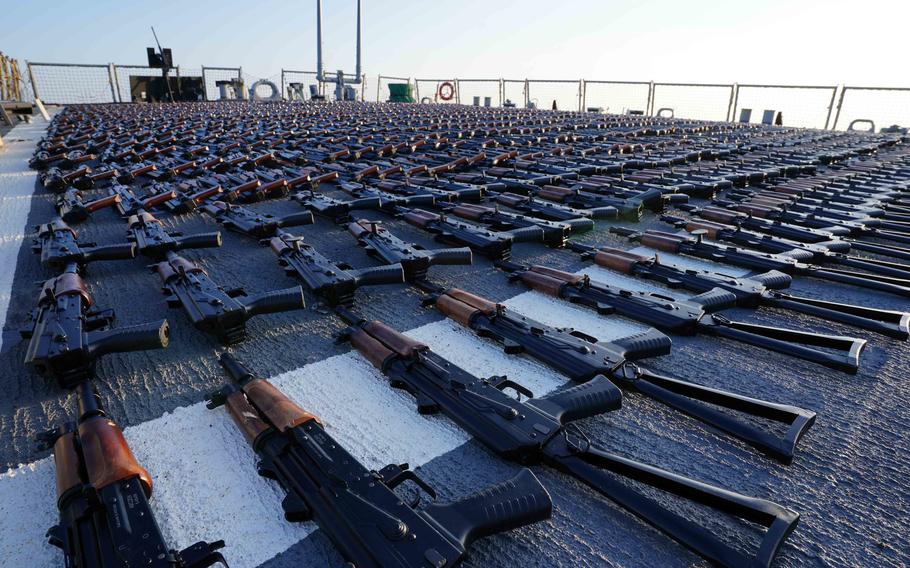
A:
{"points": [[446, 91]]}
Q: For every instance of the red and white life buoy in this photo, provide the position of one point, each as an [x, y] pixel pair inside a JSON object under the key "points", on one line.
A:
{"points": [[446, 91]]}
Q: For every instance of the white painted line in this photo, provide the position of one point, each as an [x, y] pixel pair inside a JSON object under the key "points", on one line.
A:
{"points": [[17, 184]]}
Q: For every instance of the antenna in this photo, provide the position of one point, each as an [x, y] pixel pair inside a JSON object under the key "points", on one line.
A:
{"points": [[165, 67]]}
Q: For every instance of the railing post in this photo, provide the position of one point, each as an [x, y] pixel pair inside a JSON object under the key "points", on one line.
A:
{"points": [[457, 91], [205, 85], [584, 95], [110, 80], [527, 93], [117, 83], [581, 95], [840, 103], [31, 78], [649, 105], [283, 90], [831, 107], [379, 86], [502, 91], [734, 100]]}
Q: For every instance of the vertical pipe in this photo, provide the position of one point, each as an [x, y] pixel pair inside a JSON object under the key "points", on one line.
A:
{"points": [[457, 92], [379, 86], [31, 78], [283, 90], [319, 40], [502, 91], [205, 85], [831, 107], [840, 103], [527, 93], [358, 73]]}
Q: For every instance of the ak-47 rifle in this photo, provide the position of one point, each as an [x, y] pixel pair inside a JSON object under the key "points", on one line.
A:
{"points": [[131, 204], [103, 497], [496, 245], [187, 199], [821, 253], [213, 309], [83, 178], [582, 358], [752, 291], [414, 259], [334, 282], [72, 207], [370, 525], [66, 335], [153, 240], [58, 246], [552, 233], [690, 316], [800, 233], [260, 226], [551, 211], [695, 245], [539, 431]]}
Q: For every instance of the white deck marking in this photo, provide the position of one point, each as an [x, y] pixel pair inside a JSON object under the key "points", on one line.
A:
{"points": [[17, 184]]}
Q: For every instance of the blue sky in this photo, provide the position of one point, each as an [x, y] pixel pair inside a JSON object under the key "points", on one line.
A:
{"points": [[773, 41]]}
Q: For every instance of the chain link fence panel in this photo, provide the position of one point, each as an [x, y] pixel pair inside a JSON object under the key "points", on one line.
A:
{"points": [[566, 94], [67, 83], [804, 106], [295, 85], [883, 106], [469, 89], [210, 75], [617, 97], [429, 89], [693, 100]]}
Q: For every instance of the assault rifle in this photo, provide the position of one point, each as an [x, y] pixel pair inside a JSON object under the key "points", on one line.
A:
{"points": [[854, 227], [695, 245], [822, 253], [334, 282], [630, 209], [802, 234], [553, 233], [335, 210], [131, 204], [369, 524], [153, 240], [256, 225], [751, 292], [582, 358], [690, 316], [496, 245], [103, 497], [414, 259], [213, 309], [83, 178], [551, 211], [187, 199], [66, 335], [58, 246], [539, 431], [72, 207]]}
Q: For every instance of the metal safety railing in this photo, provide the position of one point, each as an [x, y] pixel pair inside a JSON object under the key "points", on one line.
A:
{"points": [[811, 106]]}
